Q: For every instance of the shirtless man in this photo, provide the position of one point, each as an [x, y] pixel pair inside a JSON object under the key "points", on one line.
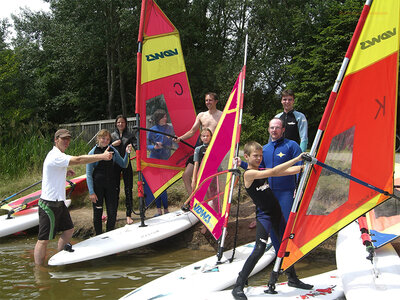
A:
{"points": [[204, 119]]}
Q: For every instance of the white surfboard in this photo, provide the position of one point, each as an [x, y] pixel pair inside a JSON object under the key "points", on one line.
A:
{"points": [[361, 278], [126, 238], [326, 286], [20, 221], [201, 277]]}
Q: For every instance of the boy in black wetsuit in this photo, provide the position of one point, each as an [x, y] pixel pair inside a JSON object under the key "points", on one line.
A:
{"points": [[268, 212]]}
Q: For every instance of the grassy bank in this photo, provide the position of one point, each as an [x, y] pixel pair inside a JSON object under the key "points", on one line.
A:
{"points": [[22, 156]]}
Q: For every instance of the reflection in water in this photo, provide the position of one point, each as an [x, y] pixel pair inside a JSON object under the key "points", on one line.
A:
{"points": [[109, 277]]}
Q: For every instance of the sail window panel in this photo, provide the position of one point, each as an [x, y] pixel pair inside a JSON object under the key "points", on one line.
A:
{"points": [[332, 190], [155, 107]]}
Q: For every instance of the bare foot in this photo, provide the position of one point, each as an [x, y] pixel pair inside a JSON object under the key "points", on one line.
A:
{"points": [[129, 220]]}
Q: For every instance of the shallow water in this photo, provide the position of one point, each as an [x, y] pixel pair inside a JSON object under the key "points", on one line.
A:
{"points": [[106, 278]]}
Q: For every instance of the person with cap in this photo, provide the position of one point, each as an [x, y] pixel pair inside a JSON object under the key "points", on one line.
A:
{"points": [[53, 214]]}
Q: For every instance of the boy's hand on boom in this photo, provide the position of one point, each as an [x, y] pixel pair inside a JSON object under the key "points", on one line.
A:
{"points": [[307, 157], [238, 161], [107, 155]]}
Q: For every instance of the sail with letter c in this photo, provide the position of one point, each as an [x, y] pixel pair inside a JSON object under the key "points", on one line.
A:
{"points": [[162, 87]]}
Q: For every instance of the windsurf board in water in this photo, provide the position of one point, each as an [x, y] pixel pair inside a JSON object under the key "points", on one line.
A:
{"points": [[363, 279], [326, 286], [201, 277], [126, 238], [21, 220]]}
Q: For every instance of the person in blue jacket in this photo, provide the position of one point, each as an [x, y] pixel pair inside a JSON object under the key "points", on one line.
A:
{"points": [[102, 184], [161, 146], [295, 122], [276, 152]]}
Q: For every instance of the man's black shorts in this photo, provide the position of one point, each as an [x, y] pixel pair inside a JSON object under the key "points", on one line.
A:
{"points": [[53, 217]]}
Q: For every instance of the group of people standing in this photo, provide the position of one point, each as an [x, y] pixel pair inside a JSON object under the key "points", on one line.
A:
{"points": [[272, 190]]}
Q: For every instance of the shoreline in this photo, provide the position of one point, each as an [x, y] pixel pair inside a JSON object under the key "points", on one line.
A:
{"points": [[193, 238]]}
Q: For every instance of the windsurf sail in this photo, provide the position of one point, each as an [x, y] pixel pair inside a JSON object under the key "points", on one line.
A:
{"points": [[356, 135], [162, 86], [212, 197]]}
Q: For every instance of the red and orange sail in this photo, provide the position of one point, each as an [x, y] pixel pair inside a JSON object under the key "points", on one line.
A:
{"points": [[162, 83], [357, 136], [211, 200]]}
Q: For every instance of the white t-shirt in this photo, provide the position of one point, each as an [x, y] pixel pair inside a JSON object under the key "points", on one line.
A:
{"points": [[54, 175]]}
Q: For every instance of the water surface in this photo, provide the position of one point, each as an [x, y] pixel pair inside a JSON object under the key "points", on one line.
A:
{"points": [[106, 278]]}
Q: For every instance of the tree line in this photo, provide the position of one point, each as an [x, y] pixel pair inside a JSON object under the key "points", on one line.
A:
{"points": [[78, 61]]}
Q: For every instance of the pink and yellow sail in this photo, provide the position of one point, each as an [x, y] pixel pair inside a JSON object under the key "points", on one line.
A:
{"points": [[210, 202], [162, 83], [357, 136]]}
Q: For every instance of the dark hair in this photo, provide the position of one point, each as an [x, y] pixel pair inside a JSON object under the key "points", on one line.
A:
{"points": [[158, 115], [287, 92], [212, 94], [121, 117]]}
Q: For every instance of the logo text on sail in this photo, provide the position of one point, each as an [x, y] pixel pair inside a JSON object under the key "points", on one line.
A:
{"points": [[377, 39], [161, 54]]}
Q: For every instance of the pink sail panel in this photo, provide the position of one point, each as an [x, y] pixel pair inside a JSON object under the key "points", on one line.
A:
{"points": [[210, 200]]}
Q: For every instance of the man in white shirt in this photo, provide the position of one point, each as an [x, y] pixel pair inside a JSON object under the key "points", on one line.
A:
{"points": [[53, 214]]}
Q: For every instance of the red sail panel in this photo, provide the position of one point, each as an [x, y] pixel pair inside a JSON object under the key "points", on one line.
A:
{"points": [[358, 139], [210, 200], [163, 85]]}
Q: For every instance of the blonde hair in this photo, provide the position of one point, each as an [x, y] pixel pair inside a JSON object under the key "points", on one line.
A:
{"points": [[103, 133], [206, 129], [251, 146]]}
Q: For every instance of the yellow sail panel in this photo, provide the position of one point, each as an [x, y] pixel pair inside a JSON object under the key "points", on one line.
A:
{"points": [[162, 57], [379, 37]]}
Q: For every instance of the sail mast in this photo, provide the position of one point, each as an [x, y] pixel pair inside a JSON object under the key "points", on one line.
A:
{"points": [[137, 112], [241, 91]]}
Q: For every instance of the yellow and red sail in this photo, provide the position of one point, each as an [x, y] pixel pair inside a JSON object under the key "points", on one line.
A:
{"points": [[162, 83], [211, 199], [358, 136]]}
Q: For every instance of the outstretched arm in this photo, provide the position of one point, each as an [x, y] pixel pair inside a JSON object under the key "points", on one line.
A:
{"points": [[279, 170]]}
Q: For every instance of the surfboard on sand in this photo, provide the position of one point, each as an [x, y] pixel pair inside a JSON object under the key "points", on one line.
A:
{"points": [[126, 238], [201, 277], [361, 278], [326, 286]]}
